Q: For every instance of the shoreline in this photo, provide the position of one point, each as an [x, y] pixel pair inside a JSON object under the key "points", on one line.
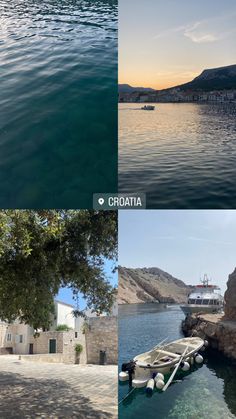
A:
{"points": [[220, 333], [183, 102], [152, 302]]}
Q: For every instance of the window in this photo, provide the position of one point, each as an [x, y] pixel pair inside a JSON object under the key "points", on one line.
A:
{"points": [[206, 302], [191, 301], [76, 334], [21, 339], [9, 337]]}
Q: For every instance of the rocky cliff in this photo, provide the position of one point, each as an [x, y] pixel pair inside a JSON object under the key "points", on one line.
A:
{"points": [[230, 298], [143, 285], [220, 334]]}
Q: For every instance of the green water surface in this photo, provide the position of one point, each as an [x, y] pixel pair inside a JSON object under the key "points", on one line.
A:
{"points": [[58, 95]]}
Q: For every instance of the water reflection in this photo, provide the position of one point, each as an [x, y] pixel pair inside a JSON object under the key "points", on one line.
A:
{"points": [[182, 155]]}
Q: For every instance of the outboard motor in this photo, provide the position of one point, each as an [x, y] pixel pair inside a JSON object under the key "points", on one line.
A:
{"points": [[129, 367]]}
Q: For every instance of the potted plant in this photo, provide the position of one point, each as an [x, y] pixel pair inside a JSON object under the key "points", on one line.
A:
{"points": [[78, 350]]}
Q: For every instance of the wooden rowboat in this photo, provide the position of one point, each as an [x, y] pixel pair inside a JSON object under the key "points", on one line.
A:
{"points": [[163, 359]]}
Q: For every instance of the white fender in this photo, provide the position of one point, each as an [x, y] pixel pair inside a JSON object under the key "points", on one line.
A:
{"points": [[123, 376], [150, 386], [160, 384], [139, 383]]}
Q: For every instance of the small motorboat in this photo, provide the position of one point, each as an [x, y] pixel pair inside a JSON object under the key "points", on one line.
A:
{"points": [[148, 108], [163, 359]]}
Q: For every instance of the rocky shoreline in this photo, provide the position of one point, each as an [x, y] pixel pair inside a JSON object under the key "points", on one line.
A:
{"points": [[218, 329], [220, 333]]}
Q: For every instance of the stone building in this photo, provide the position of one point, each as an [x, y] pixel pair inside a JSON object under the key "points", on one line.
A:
{"points": [[102, 336], [18, 338], [94, 333]]}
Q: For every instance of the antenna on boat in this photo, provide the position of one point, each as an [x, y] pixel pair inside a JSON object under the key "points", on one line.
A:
{"points": [[205, 281]]}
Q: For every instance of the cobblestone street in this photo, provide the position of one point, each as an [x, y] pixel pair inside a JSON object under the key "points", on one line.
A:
{"points": [[43, 390]]}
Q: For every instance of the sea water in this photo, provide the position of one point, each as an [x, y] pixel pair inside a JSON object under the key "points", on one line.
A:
{"points": [[208, 392], [182, 155], [58, 102]]}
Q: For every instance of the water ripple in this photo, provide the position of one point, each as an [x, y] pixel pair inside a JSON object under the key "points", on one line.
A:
{"points": [[182, 155], [58, 65]]}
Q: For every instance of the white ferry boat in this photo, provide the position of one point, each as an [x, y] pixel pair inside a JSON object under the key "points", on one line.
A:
{"points": [[204, 298]]}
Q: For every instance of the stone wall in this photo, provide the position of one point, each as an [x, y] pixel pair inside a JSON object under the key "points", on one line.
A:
{"points": [[102, 335], [6, 351], [41, 343], [69, 342], [65, 345]]}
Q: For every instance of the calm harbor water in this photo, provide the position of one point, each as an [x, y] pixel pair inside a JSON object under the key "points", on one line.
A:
{"points": [[182, 155], [58, 101], [206, 393]]}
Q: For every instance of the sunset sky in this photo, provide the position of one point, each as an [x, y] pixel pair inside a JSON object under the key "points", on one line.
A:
{"points": [[163, 43]]}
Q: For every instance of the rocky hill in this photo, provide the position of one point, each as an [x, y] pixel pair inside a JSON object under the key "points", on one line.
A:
{"points": [[213, 79], [143, 285], [126, 88]]}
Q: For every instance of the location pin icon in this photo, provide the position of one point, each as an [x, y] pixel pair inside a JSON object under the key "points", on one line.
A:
{"points": [[101, 201]]}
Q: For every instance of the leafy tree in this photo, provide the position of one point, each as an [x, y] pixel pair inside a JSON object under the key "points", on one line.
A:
{"points": [[41, 251], [63, 328]]}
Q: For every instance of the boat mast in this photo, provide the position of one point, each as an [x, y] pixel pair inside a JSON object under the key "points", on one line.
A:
{"points": [[205, 281]]}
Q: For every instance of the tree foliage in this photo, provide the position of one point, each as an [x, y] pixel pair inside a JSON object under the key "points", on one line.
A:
{"points": [[63, 328], [42, 251]]}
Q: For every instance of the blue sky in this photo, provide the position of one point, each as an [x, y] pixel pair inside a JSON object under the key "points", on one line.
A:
{"points": [[66, 295], [186, 244], [165, 43]]}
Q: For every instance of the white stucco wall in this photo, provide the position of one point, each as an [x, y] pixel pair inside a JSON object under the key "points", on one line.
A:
{"points": [[18, 332], [3, 328], [63, 315]]}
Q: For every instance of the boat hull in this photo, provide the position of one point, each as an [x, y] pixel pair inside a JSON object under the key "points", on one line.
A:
{"points": [[144, 370], [194, 308]]}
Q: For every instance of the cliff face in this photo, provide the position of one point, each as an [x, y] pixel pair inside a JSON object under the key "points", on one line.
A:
{"points": [[144, 285], [230, 298]]}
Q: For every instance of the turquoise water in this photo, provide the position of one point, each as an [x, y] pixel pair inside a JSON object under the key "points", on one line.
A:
{"points": [[58, 102], [182, 155], [208, 392]]}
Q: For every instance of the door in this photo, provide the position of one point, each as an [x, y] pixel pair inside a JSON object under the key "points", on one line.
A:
{"points": [[52, 346], [31, 348]]}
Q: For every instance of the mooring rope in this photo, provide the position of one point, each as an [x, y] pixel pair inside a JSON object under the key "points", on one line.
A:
{"points": [[127, 395]]}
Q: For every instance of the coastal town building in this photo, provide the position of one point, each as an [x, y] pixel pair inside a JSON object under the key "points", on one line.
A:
{"points": [[96, 333], [178, 95]]}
